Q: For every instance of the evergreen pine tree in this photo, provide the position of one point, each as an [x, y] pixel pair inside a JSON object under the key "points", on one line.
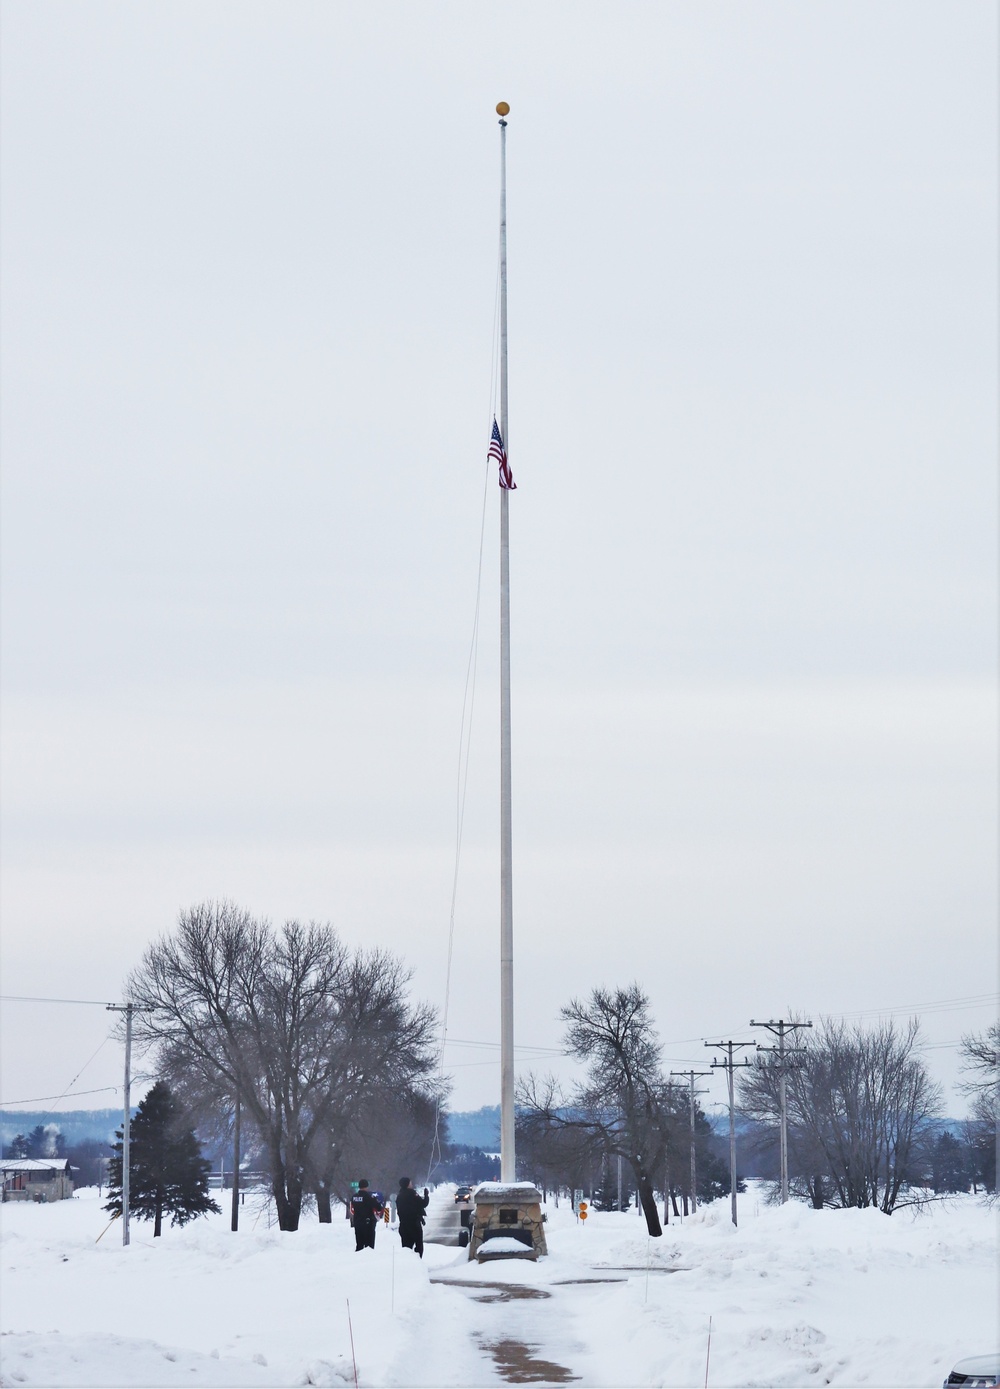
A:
{"points": [[606, 1195], [949, 1165], [981, 1155], [42, 1142], [166, 1169], [712, 1162], [36, 1141], [604, 1198]]}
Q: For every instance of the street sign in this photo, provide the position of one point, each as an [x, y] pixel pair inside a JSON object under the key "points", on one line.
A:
{"points": [[583, 1210]]}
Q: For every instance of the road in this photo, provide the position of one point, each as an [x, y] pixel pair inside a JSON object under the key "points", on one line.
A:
{"points": [[444, 1219]]}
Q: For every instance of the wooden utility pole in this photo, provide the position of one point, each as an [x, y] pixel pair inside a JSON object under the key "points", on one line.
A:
{"points": [[729, 1065], [128, 1009], [234, 1223], [694, 1162], [780, 1028]]}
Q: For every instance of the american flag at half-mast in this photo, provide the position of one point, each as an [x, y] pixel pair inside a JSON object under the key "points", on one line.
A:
{"points": [[498, 452]]}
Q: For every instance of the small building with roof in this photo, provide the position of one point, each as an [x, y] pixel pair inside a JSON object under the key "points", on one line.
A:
{"points": [[36, 1179]]}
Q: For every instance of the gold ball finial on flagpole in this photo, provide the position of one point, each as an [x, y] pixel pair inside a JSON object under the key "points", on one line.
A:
{"points": [[503, 109]]}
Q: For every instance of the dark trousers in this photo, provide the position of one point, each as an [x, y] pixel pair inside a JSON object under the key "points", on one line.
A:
{"points": [[364, 1234], [412, 1237]]}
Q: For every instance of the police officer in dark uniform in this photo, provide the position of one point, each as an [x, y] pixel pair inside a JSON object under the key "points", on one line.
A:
{"points": [[410, 1209], [366, 1210]]}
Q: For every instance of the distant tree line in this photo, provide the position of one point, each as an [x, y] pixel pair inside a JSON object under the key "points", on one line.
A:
{"points": [[463, 1164], [43, 1141], [863, 1127], [328, 1067]]}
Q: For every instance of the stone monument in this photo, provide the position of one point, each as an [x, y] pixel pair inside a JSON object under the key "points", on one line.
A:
{"points": [[508, 1222]]}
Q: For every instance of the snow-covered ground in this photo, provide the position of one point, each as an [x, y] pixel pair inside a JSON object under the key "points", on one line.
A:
{"points": [[796, 1297]]}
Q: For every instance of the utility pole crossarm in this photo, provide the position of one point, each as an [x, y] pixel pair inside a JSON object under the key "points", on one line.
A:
{"points": [[729, 1048]]}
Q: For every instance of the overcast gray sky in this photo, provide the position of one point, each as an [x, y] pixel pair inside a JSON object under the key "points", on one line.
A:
{"points": [[249, 257]]}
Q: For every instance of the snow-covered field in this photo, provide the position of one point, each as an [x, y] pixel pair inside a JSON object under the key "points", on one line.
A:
{"points": [[795, 1296]]}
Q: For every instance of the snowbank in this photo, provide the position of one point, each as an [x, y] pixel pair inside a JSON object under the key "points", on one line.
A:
{"points": [[255, 1307], [796, 1297]]}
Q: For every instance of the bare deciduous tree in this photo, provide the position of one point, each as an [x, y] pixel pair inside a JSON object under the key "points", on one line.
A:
{"points": [[305, 1033], [390, 1137], [625, 1107], [859, 1107], [981, 1063], [555, 1154], [980, 1053]]}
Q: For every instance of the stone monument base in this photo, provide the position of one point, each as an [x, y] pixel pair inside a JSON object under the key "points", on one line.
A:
{"points": [[508, 1222]]}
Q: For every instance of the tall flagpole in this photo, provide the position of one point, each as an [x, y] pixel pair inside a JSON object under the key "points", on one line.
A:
{"points": [[507, 1160]]}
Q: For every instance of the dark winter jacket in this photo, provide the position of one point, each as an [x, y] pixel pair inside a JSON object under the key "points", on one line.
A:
{"points": [[365, 1208], [410, 1207]]}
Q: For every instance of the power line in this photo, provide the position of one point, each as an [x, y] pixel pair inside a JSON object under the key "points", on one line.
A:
{"points": [[80, 1072], [69, 1087], [24, 998], [464, 1065], [933, 1005], [40, 1099], [941, 1005], [521, 1046]]}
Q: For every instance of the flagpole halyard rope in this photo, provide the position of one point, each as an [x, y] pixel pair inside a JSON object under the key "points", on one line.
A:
{"points": [[465, 737]]}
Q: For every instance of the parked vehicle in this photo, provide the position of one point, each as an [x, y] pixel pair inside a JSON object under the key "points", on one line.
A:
{"points": [[977, 1372]]}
